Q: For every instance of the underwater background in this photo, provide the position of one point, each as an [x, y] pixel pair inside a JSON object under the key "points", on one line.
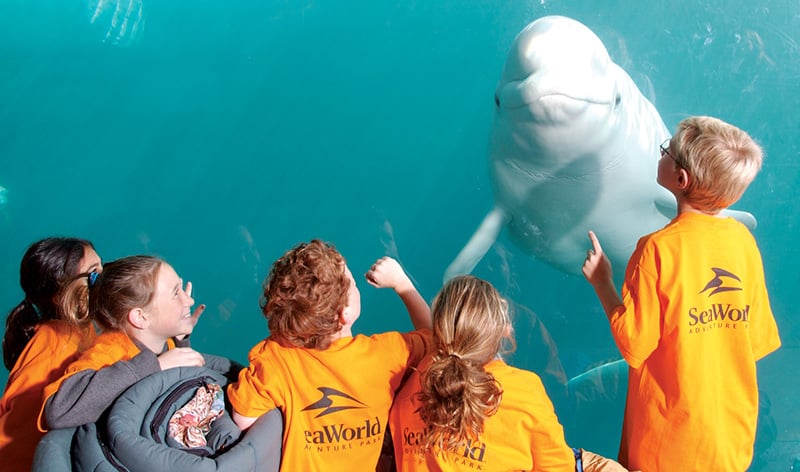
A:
{"points": [[217, 135]]}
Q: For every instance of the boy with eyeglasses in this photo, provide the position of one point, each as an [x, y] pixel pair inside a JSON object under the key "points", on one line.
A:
{"points": [[694, 315]]}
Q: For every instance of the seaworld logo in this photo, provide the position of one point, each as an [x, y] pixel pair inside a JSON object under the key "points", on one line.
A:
{"points": [[719, 312], [719, 315], [330, 434], [718, 284], [413, 442], [340, 436], [329, 405]]}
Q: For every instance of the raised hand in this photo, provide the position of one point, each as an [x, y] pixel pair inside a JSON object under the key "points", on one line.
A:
{"points": [[596, 267], [387, 273]]}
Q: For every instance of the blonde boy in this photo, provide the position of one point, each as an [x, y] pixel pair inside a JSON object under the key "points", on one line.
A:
{"points": [[694, 316]]}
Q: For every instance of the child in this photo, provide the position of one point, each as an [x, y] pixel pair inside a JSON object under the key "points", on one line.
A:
{"points": [[141, 305], [40, 341], [464, 408], [694, 316], [333, 388]]}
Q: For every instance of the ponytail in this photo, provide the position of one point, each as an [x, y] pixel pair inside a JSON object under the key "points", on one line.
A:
{"points": [[470, 326], [20, 326], [457, 396]]}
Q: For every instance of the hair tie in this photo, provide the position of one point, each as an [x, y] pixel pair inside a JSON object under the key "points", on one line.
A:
{"points": [[92, 278], [455, 354]]}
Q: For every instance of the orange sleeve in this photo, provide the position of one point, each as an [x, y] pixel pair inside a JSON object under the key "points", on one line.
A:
{"points": [[764, 336], [248, 394], [636, 325], [420, 343]]}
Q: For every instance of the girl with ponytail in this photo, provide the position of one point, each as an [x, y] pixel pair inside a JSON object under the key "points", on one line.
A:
{"points": [[40, 340], [464, 408]]}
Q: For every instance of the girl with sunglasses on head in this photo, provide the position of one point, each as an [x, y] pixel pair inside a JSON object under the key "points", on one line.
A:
{"points": [[41, 340]]}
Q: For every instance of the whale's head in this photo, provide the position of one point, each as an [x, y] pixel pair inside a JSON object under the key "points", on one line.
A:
{"points": [[558, 80]]}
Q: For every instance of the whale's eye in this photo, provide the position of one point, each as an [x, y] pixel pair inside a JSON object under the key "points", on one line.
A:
{"points": [[618, 100], [497, 101]]}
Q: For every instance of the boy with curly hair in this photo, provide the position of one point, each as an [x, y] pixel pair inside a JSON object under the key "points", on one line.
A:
{"points": [[333, 388]]}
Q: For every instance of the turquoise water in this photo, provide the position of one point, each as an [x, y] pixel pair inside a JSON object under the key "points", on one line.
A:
{"points": [[219, 134]]}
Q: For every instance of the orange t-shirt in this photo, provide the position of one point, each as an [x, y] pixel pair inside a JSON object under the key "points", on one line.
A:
{"points": [[524, 434], [695, 320], [335, 401], [44, 359]]}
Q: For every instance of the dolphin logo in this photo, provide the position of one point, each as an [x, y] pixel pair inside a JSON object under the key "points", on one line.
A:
{"points": [[327, 402], [573, 148], [718, 284]]}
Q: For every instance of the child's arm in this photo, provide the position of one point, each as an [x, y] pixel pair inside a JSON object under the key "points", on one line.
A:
{"points": [[243, 422], [597, 270], [83, 396], [386, 272]]}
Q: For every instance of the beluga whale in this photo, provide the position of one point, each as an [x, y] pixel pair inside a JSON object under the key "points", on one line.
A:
{"points": [[574, 146]]}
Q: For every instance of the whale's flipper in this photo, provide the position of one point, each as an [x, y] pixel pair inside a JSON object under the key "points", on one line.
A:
{"points": [[478, 245], [742, 217], [666, 204], [668, 208]]}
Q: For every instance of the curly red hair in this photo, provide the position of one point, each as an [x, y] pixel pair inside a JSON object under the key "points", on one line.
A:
{"points": [[304, 295]]}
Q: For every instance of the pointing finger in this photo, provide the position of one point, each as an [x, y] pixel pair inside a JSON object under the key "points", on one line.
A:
{"points": [[596, 248]]}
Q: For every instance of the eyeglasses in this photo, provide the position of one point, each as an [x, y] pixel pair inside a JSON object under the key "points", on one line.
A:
{"points": [[665, 150]]}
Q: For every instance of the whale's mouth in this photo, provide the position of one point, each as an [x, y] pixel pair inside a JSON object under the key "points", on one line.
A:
{"points": [[560, 96], [548, 94], [554, 99], [559, 107]]}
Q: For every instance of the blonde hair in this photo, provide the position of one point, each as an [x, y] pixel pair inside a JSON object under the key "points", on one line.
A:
{"points": [[721, 159], [471, 326]]}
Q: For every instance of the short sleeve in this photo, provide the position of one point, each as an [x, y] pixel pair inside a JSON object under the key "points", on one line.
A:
{"points": [[420, 343], [636, 325], [248, 395], [764, 337]]}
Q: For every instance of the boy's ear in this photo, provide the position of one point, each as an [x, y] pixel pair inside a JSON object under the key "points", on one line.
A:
{"points": [[345, 316], [683, 179], [138, 318]]}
